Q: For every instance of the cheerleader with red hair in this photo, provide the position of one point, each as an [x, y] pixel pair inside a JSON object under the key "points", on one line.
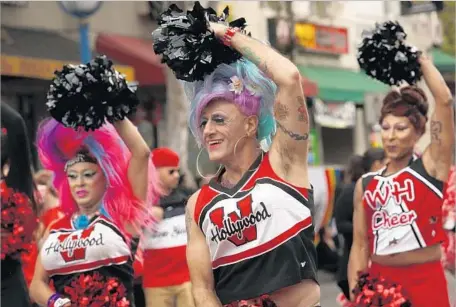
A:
{"points": [[398, 210]]}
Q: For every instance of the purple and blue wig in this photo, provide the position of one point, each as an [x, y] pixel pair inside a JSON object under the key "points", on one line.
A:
{"points": [[256, 98], [57, 144]]}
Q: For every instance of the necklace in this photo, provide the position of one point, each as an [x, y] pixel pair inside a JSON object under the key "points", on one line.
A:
{"points": [[81, 221]]}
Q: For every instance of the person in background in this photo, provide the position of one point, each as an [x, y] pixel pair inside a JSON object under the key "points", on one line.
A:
{"points": [[374, 159], [17, 174], [138, 268], [48, 195], [371, 161], [183, 187], [166, 278]]}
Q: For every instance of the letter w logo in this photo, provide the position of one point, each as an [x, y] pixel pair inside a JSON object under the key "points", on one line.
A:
{"points": [[378, 196], [247, 234], [73, 253]]}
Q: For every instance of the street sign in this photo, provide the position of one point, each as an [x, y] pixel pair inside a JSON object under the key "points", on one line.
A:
{"points": [[321, 39]]}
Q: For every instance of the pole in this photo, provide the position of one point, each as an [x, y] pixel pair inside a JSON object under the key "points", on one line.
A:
{"points": [[84, 41], [290, 16]]}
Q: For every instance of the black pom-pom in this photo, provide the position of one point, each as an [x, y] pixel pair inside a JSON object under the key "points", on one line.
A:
{"points": [[188, 46], [86, 95], [384, 55]]}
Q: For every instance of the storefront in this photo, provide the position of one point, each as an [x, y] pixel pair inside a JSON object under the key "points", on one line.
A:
{"points": [[338, 106], [446, 64]]}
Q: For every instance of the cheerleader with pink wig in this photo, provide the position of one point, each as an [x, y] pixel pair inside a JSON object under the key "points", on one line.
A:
{"points": [[104, 179]]}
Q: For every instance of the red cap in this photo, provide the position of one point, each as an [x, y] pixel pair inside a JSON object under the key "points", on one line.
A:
{"points": [[165, 157]]}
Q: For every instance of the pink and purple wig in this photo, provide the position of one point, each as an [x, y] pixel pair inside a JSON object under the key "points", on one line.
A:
{"points": [[217, 86], [57, 144]]}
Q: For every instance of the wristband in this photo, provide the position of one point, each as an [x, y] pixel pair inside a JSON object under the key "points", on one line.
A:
{"points": [[56, 300], [229, 33]]}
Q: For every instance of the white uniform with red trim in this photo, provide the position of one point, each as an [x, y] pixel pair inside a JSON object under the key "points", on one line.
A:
{"points": [[165, 248], [403, 210], [259, 233], [99, 247]]}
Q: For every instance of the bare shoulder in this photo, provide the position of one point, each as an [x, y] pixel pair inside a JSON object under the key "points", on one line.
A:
{"points": [[191, 202], [190, 222], [359, 186], [358, 195]]}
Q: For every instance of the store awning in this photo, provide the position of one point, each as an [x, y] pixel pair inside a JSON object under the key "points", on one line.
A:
{"points": [[134, 52], [341, 85], [38, 54], [443, 61]]}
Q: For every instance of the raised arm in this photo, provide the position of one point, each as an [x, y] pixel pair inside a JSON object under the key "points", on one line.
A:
{"points": [[359, 253], [439, 156], [290, 110], [138, 168], [199, 261]]}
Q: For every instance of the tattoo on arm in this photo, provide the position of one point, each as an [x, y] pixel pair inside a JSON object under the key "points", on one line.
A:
{"points": [[188, 222], [255, 59], [291, 134], [303, 115], [436, 130], [280, 111]]}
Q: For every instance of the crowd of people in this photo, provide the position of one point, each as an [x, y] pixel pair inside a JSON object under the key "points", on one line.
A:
{"points": [[115, 228]]}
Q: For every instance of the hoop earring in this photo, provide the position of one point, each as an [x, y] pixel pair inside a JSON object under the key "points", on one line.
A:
{"points": [[198, 168], [237, 142]]}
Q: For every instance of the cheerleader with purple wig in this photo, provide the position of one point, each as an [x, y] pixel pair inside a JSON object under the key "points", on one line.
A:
{"points": [[250, 230], [104, 181]]}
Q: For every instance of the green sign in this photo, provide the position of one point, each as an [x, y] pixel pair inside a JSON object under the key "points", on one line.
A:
{"points": [[313, 157]]}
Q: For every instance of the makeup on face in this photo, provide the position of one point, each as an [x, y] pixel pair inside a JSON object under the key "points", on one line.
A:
{"points": [[218, 119], [87, 183], [222, 124], [398, 136]]}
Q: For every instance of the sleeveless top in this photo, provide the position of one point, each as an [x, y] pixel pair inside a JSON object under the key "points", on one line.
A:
{"points": [[100, 247], [403, 210], [259, 233], [165, 248]]}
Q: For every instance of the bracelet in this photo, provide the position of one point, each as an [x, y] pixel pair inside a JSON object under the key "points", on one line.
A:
{"points": [[229, 33], [56, 300]]}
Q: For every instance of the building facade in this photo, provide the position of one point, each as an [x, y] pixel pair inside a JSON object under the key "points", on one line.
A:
{"points": [[327, 34], [39, 38], [321, 37]]}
